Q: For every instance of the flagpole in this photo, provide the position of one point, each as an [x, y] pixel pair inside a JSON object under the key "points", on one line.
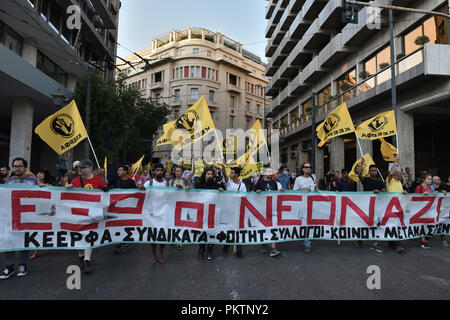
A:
{"points": [[93, 151], [220, 147], [362, 155]]}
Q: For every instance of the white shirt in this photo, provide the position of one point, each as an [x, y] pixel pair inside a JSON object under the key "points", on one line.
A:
{"points": [[231, 186], [305, 183], [279, 186], [155, 183]]}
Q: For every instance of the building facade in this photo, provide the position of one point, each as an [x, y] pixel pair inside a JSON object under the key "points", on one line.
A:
{"points": [[41, 60], [316, 59], [184, 65]]}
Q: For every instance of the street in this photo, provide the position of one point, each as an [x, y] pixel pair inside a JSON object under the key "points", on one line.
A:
{"points": [[329, 272]]}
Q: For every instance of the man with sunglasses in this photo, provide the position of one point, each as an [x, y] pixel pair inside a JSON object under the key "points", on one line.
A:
{"points": [[306, 182]]}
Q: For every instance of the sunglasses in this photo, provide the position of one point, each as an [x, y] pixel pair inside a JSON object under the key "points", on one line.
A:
{"points": [[307, 167]]}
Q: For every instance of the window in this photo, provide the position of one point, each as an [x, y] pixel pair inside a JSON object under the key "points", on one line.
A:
{"points": [[347, 81], [197, 72], [232, 101], [50, 68], [324, 95], [158, 98], [294, 114], [284, 121], [144, 83], [211, 95], [248, 124], [192, 72], [196, 51], [209, 53], [248, 105], [176, 95], [209, 73], [231, 122], [307, 106], [157, 77], [182, 52], [194, 93], [11, 39], [232, 79], [258, 109]]}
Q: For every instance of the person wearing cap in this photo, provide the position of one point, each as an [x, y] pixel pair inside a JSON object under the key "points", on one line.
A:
{"points": [[86, 180], [266, 183]]}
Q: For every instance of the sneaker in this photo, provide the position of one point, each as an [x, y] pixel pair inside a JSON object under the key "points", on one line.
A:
{"points": [[209, 256], [274, 252], [22, 270], [8, 272], [444, 243], [425, 246], [377, 249], [87, 266], [307, 249]]}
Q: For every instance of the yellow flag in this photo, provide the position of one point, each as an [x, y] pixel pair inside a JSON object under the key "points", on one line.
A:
{"points": [[229, 145], [257, 138], [382, 125], [29, 173], [135, 167], [336, 124], [388, 151], [168, 129], [63, 130], [199, 168], [196, 121], [368, 161]]}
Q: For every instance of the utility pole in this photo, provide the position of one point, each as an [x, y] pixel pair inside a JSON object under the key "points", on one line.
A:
{"points": [[313, 133], [88, 110]]}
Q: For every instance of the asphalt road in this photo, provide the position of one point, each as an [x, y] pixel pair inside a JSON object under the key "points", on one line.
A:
{"points": [[329, 272]]}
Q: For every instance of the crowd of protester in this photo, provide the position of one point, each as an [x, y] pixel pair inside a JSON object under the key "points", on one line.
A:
{"points": [[82, 175]]}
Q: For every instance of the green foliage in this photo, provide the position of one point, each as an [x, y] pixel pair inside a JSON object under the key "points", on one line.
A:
{"points": [[383, 65], [120, 118], [421, 40]]}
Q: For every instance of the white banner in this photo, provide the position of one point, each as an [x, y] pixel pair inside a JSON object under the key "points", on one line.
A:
{"points": [[57, 218]]}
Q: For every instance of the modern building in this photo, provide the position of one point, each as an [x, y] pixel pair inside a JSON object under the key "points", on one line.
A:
{"points": [[41, 60], [186, 64], [314, 55]]}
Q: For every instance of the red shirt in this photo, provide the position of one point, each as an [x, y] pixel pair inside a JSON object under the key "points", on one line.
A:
{"points": [[421, 189], [137, 178], [94, 183]]}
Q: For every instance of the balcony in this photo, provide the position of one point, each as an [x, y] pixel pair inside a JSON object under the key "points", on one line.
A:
{"points": [[299, 56], [156, 86], [298, 85], [313, 71], [278, 35], [270, 49], [312, 8], [104, 13], [270, 8], [234, 88], [333, 52], [288, 70], [249, 113], [330, 18], [354, 35], [270, 29], [279, 10], [299, 26], [176, 102], [276, 62], [315, 38], [212, 104], [412, 71]]}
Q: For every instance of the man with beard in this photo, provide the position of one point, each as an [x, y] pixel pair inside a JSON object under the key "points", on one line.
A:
{"points": [[4, 174], [207, 182]]}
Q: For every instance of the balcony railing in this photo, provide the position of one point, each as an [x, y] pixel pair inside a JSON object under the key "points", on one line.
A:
{"points": [[401, 65]]}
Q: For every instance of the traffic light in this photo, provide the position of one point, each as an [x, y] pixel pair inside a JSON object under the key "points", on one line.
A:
{"points": [[349, 12]]}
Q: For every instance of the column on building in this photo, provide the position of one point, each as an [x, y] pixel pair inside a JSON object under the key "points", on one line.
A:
{"points": [[22, 113], [318, 166], [337, 153], [405, 127]]}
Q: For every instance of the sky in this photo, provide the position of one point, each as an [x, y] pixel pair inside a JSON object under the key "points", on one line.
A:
{"points": [[140, 21]]}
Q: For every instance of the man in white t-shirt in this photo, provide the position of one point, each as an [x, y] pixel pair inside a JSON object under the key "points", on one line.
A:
{"points": [[306, 182], [158, 181], [234, 184]]}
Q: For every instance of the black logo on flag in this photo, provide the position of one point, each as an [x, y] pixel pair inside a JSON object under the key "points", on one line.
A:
{"points": [[378, 123], [331, 122], [63, 125], [188, 121]]}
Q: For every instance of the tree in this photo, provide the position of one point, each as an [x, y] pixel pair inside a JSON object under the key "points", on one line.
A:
{"points": [[122, 122]]}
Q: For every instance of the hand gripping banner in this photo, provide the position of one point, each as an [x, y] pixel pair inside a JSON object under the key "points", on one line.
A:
{"points": [[56, 218]]}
